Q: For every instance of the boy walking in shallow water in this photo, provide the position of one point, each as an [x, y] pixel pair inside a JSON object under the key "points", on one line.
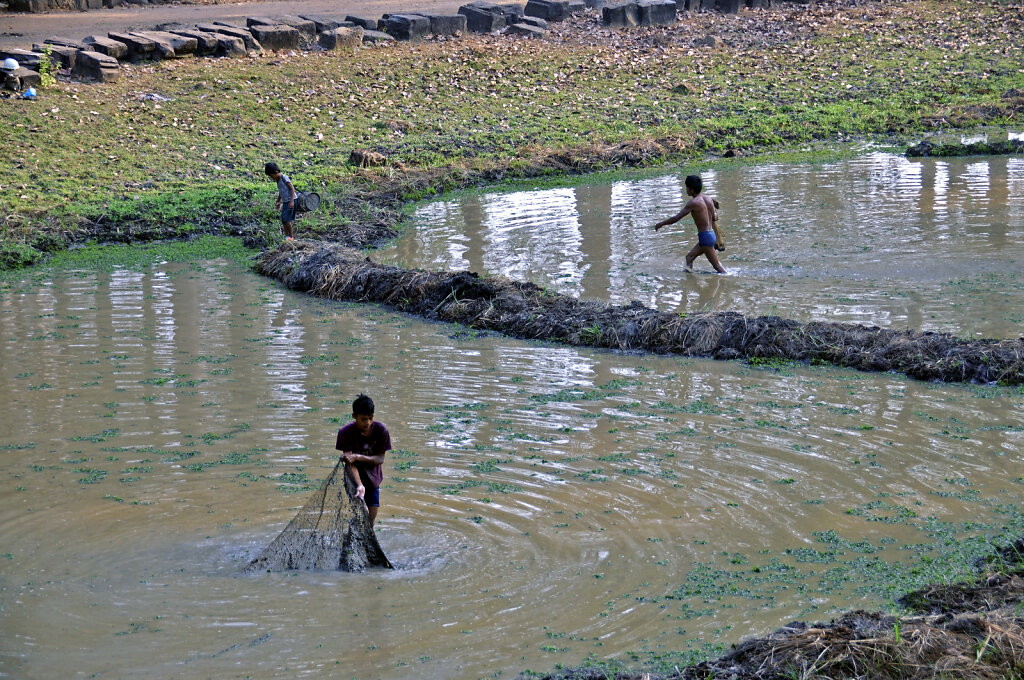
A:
{"points": [[702, 207], [285, 197], [363, 443]]}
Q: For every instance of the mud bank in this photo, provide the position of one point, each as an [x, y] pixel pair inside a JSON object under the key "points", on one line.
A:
{"points": [[973, 631], [524, 310]]}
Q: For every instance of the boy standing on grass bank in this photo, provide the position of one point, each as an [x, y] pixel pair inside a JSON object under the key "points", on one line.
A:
{"points": [[363, 443], [702, 207], [285, 197]]}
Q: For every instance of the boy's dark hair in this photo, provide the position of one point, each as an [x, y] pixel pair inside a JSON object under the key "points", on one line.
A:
{"points": [[362, 406], [694, 182], [271, 168]]}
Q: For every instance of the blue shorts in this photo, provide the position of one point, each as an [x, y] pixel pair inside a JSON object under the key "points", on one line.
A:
{"points": [[287, 213], [706, 239], [372, 497]]}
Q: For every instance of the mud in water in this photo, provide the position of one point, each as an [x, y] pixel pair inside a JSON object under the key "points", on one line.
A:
{"points": [[544, 503]]}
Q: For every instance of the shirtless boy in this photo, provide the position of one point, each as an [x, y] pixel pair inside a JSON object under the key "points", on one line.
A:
{"points": [[702, 207]]}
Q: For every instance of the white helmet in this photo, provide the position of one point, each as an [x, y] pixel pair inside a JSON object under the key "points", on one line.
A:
{"points": [[10, 64]]}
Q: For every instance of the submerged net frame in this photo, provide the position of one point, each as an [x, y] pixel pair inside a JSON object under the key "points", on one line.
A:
{"points": [[331, 531]]}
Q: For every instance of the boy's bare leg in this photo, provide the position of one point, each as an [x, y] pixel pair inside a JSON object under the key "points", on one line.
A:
{"points": [[287, 226], [713, 259], [690, 257], [372, 512]]}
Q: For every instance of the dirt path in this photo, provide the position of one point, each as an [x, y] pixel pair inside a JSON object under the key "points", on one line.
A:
{"points": [[22, 30]]}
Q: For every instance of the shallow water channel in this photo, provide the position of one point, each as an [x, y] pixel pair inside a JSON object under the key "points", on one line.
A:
{"points": [[931, 244], [543, 503]]}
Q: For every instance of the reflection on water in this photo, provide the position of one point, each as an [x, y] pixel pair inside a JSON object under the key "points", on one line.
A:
{"points": [[880, 240], [544, 503]]}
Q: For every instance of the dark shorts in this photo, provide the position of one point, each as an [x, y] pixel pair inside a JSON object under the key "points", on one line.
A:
{"points": [[706, 239], [287, 213], [372, 496]]}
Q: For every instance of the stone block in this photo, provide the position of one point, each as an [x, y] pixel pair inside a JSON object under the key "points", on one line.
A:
{"points": [[276, 37], [657, 12], [244, 34], [407, 26], [687, 5], [61, 56], [260, 21], [577, 6], [305, 27], [342, 39], [162, 49], [371, 36], [758, 4], [620, 14], [708, 4], [206, 43], [111, 48], [112, 3], [730, 6], [548, 10], [230, 46], [530, 21], [367, 24], [480, 20], [25, 58], [97, 66], [66, 42], [322, 23], [447, 24], [139, 48], [527, 30], [511, 10], [181, 44]]}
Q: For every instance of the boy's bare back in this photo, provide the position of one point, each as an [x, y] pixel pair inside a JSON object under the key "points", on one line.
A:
{"points": [[703, 211]]}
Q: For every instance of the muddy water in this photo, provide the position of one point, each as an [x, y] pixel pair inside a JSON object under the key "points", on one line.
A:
{"points": [[879, 239], [544, 503]]}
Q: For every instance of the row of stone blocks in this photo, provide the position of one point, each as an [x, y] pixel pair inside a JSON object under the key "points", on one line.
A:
{"points": [[662, 12], [99, 57]]}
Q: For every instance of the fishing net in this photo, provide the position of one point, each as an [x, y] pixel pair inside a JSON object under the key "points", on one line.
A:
{"points": [[331, 531]]}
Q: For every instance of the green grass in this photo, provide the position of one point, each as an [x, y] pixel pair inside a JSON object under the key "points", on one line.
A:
{"points": [[88, 157]]}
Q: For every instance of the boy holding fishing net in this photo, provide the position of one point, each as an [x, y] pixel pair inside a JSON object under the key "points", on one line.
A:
{"points": [[363, 444]]}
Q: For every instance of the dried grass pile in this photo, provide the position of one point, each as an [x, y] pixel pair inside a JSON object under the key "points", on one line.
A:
{"points": [[524, 310]]}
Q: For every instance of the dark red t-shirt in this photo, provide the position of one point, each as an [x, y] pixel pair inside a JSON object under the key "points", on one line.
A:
{"points": [[377, 443]]}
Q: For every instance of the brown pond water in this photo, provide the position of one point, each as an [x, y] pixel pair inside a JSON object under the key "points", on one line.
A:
{"points": [[544, 503], [879, 240]]}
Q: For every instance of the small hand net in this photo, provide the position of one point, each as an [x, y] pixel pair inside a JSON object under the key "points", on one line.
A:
{"points": [[331, 531]]}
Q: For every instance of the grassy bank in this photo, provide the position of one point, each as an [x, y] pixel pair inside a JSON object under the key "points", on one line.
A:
{"points": [[177, 148]]}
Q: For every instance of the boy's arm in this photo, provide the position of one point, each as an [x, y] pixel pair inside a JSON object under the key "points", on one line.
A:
{"points": [[292, 189], [354, 474], [362, 458], [672, 220]]}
